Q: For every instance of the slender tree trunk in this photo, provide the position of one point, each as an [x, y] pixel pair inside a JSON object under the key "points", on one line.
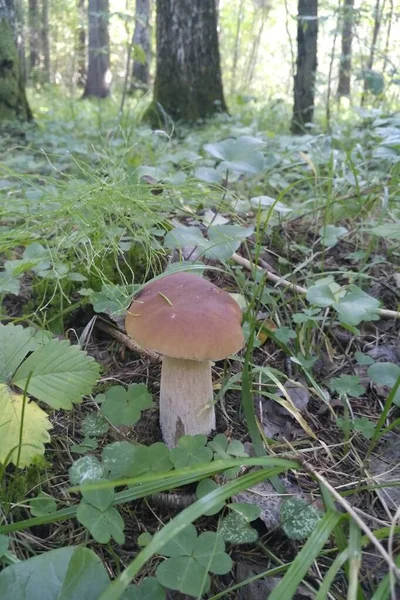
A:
{"points": [[188, 84], [236, 47], [45, 41], [345, 58], [142, 38], [34, 32], [13, 102], [98, 83], [389, 30], [81, 45], [20, 34], [370, 61], [304, 79]]}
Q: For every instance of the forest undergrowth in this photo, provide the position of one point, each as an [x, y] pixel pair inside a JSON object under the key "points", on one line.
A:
{"points": [[297, 492]]}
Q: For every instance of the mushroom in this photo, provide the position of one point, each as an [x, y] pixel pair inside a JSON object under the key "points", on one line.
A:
{"points": [[191, 322]]}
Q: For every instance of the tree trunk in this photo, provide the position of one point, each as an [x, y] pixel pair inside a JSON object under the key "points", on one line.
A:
{"points": [[345, 59], [142, 38], [98, 82], [34, 29], [188, 84], [304, 79], [45, 41], [13, 102], [370, 61], [81, 45]]}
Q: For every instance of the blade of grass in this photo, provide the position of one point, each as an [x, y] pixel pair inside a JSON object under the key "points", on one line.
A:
{"points": [[383, 591], [355, 558], [169, 531], [331, 574]]}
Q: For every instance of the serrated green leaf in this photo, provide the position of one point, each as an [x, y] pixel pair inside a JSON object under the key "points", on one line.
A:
{"points": [[298, 518], [70, 573], [35, 432], [60, 374], [364, 426], [103, 525], [124, 406], [15, 343], [87, 468]]}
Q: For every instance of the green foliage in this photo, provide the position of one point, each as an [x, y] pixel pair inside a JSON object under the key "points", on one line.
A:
{"points": [[298, 518], [191, 450], [386, 374], [148, 589], [42, 505], [190, 559], [69, 573], [347, 385], [124, 406], [235, 527]]}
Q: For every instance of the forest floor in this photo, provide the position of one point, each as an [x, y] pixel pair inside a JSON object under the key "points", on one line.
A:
{"points": [[304, 231]]}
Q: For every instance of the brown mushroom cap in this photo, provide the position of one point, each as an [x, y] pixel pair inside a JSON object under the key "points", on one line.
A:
{"points": [[185, 316]]}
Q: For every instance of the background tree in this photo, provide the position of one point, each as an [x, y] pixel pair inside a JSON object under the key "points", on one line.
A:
{"points": [[98, 81], [306, 65], [81, 44], [188, 82], [45, 41], [368, 76], [13, 102], [345, 58], [142, 39], [34, 29]]}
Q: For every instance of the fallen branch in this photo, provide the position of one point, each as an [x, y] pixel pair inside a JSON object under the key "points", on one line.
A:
{"points": [[240, 260], [119, 335]]}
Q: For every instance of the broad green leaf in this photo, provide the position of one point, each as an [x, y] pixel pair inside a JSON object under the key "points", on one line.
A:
{"points": [[182, 544], [321, 295], [94, 425], [100, 498], [285, 334], [225, 448], [35, 432], [248, 511], [124, 406], [123, 459], [235, 529], [87, 445], [208, 174], [298, 518], [184, 574], [363, 359], [241, 155], [148, 589], [389, 230], [87, 468], [15, 343], [190, 451], [386, 374], [42, 505], [364, 426], [330, 235], [144, 539], [159, 457], [226, 239], [70, 573], [209, 551], [267, 201], [60, 374], [347, 385], [205, 487], [185, 236], [9, 284], [103, 525], [357, 306]]}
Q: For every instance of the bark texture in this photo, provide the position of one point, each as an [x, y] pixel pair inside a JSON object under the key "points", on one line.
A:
{"points": [[45, 41], [306, 66], [186, 396], [13, 102], [81, 45], [142, 38], [188, 84], [347, 40], [97, 83], [34, 30]]}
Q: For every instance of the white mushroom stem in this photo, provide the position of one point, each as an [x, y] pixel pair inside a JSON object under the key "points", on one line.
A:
{"points": [[186, 399]]}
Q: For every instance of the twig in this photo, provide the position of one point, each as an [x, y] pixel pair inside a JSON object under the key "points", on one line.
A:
{"points": [[240, 260], [127, 341]]}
